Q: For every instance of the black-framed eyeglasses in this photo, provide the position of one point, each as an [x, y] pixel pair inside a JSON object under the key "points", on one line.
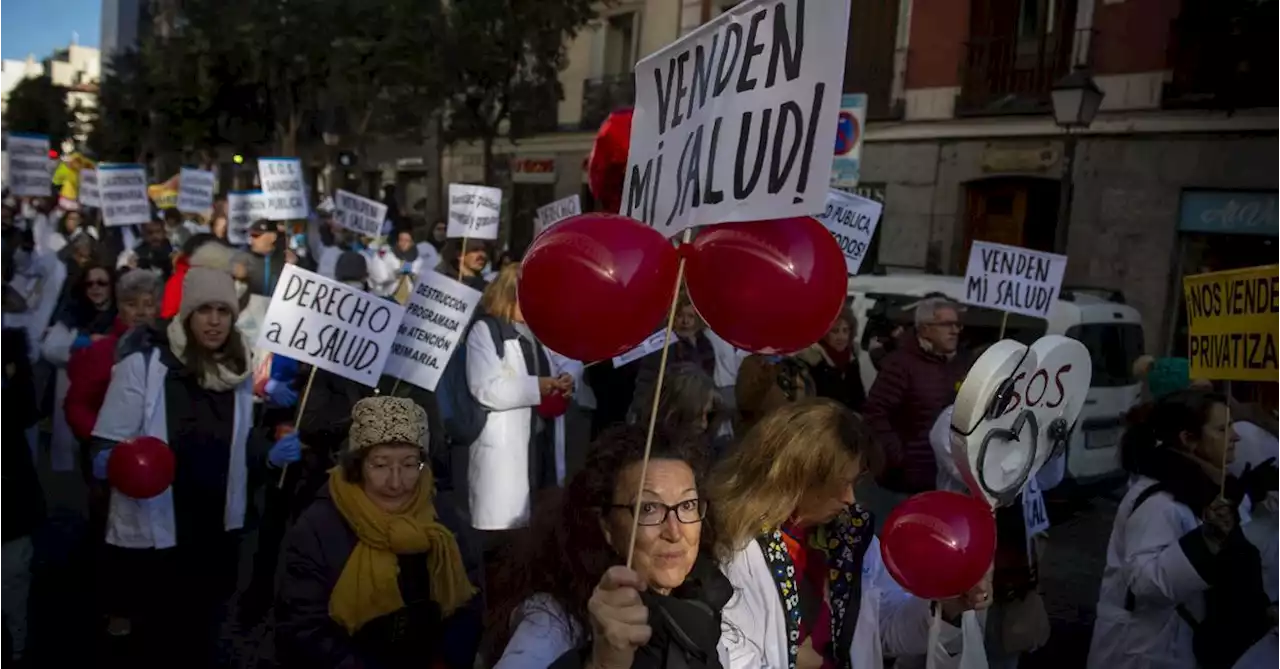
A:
{"points": [[688, 512]]}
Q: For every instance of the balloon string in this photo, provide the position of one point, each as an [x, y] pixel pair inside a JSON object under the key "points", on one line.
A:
{"points": [[297, 421], [657, 395]]}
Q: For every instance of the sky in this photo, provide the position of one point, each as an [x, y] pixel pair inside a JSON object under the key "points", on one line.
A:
{"points": [[40, 26]]}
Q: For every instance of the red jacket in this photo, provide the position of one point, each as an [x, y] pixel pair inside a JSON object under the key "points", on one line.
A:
{"points": [[89, 376], [173, 288]]}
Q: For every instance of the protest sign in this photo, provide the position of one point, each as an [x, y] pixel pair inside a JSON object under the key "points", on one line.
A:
{"points": [[852, 219], [30, 171], [1231, 324], [359, 214], [331, 325], [195, 191], [736, 120], [1013, 279], [243, 208], [283, 187], [846, 164], [123, 189], [90, 195], [550, 214], [435, 319], [474, 211], [650, 345]]}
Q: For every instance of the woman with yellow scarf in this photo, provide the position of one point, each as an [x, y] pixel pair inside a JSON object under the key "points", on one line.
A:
{"points": [[373, 572]]}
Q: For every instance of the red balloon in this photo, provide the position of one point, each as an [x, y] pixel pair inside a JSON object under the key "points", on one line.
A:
{"points": [[140, 468], [596, 285], [768, 286], [553, 406], [607, 164], [938, 545]]}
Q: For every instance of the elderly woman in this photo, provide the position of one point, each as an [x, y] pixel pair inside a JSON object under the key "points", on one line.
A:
{"points": [[566, 602], [176, 555], [833, 363], [801, 553], [373, 573]]}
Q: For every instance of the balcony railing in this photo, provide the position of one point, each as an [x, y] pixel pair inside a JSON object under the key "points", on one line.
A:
{"points": [[1012, 75], [602, 95], [1222, 56]]}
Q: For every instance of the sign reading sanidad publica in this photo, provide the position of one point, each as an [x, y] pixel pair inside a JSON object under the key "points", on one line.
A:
{"points": [[283, 188], [736, 120], [1231, 324], [1013, 279], [331, 325]]}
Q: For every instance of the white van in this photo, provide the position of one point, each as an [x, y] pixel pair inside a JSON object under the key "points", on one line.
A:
{"points": [[1110, 329]]}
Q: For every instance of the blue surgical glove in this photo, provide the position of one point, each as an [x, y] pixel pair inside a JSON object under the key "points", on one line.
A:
{"points": [[80, 342], [280, 394], [100, 464], [406, 268], [287, 449]]}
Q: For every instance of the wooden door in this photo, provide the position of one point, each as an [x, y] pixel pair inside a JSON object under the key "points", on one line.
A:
{"points": [[996, 211]]}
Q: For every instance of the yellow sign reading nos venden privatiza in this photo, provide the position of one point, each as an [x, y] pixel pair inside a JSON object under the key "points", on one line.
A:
{"points": [[1232, 320]]}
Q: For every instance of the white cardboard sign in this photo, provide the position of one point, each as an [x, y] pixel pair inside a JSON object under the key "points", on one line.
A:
{"points": [[359, 214], [435, 320], [474, 211], [1013, 279], [650, 345], [282, 185], [852, 219], [736, 120], [243, 208], [89, 195], [321, 322], [124, 194], [550, 214], [30, 172], [195, 191]]}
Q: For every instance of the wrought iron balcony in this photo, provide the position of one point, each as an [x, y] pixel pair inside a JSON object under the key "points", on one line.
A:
{"points": [[1012, 75], [602, 95], [1222, 56]]}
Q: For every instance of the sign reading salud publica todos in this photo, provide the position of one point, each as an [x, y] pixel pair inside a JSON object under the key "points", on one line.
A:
{"points": [[435, 320], [1013, 279], [283, 188], [736, 120], [1231, 324], [123, 190], [331, 325]]}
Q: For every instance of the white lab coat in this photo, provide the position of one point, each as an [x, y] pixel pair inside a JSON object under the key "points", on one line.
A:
{"points": [[385, 270], [39, 283], [498, 472], [56, 348], [1145, 558], [890, 621], [135, 406]]}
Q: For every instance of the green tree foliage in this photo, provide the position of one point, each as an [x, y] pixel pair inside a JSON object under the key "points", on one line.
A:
{"points": [[37, 105], [504, 59]]}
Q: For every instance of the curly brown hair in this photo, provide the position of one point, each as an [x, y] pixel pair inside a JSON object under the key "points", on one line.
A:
{"points": [[564, 553]]}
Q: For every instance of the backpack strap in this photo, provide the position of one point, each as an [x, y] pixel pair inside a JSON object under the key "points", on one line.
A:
{"points": [[496, 331]]}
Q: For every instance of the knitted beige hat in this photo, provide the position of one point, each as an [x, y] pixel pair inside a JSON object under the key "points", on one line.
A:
{"points": [[380, 420], [202, 286]]}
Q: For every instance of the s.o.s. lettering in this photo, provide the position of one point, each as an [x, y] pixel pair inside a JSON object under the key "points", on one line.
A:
{"points": [[1038, 391]]}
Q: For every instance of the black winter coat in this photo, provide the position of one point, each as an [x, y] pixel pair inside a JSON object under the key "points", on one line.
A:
{"points": [[315, 552]]}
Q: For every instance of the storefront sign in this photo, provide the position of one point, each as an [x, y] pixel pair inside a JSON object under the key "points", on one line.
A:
{"points": [[533, 170], [1229, 212], [1231, 324]]}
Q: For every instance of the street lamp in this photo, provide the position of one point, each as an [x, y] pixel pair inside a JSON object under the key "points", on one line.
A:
{"points": [[331, 133], [1076, 99]]}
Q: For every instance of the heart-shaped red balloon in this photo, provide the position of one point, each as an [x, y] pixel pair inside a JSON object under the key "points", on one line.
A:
{"points": [[768, 286], [140, 468], [595, 285], [938, 545]]}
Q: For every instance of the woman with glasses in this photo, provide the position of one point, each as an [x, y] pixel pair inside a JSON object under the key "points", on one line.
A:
{"points": [[567, 601], [87, 315], [802, 556], [373, 573]]}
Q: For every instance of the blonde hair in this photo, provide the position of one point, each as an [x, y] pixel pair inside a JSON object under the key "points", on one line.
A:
{"points": [[500, 297], [797, 449]]}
